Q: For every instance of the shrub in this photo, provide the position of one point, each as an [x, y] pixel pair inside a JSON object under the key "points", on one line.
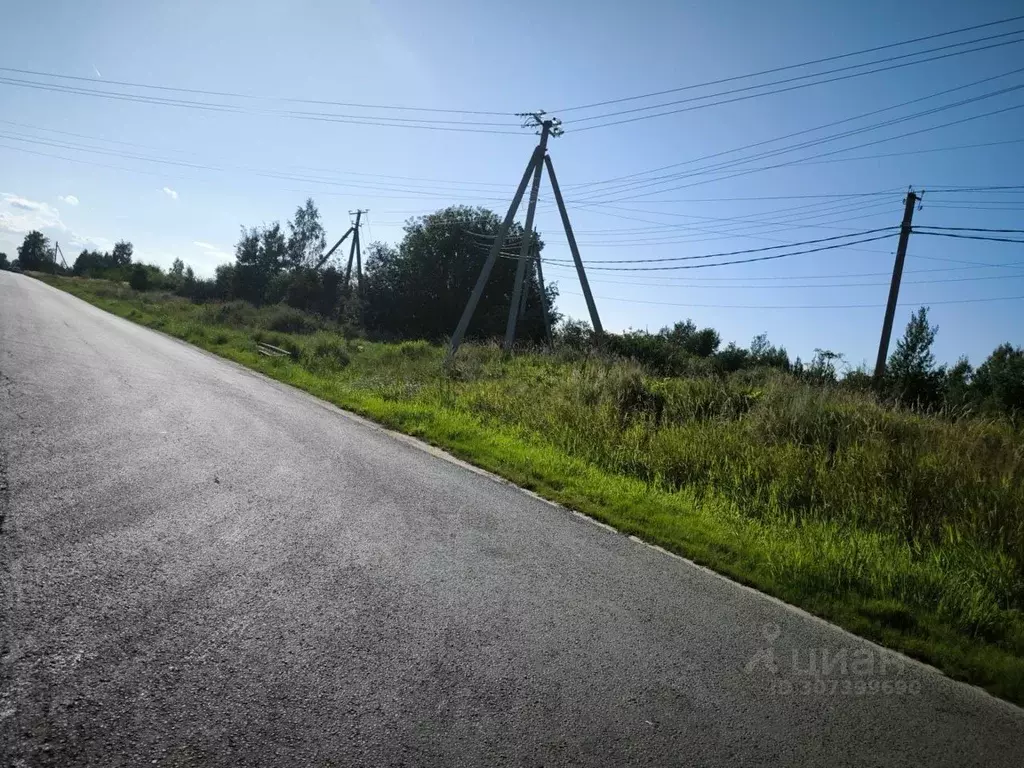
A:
{"points": [[139, 279], [235, 314], [289, 320], [326, 352]]}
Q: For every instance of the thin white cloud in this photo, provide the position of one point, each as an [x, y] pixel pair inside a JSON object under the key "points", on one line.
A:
{"points": [[19, 214], [69, 199], [213, 253], [170, 193], [96, 71]]}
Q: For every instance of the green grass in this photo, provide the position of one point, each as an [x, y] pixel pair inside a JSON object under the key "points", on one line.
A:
{"points": [[904, 528]]}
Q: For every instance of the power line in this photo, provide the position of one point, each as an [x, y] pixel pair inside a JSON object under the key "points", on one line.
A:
{"points": [[229, 94], [743, 261], [726, 164], [797, 161], [969, 237], [803, 306], [973, 229], [806, 285], [787, 89], [744, 251], [389, 122], [834, 276], [773, 70]]}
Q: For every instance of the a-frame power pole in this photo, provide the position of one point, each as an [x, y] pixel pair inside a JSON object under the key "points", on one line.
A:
{"points": [[539, 160]]}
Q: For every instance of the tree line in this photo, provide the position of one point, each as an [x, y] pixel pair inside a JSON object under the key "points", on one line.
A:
{"points": [[418, 289]]}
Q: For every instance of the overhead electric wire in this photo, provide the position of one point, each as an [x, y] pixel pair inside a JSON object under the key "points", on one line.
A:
{"points": [[390, 122], [968, 237], [848, 76], [972, 229], [835, 276], [734, 162], [803, 306], [739, 261], [812, 62], [745, 250], [797, 161], [353, 184], [805, 286], [229, 94]]}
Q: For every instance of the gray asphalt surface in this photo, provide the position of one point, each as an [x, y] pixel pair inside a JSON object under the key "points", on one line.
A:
{"points": [[205, 567]]}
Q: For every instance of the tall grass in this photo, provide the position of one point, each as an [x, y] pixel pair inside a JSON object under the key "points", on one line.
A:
{"points": [[906, 527]]}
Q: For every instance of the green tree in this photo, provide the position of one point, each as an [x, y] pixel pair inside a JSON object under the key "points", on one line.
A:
{"points": [[420, 289], [3, 260], [260, 254], [999, 381], [911, 374], [956, 386], [307, 240], [122, 254], [763, 353], [139, 278], [34, 252], [177, 270]]}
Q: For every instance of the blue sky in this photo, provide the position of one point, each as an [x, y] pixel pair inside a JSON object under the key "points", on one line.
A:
{"points": [[179, 182]]}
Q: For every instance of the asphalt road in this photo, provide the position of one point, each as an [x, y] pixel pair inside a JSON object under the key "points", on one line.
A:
{"points": [[205, 567]]}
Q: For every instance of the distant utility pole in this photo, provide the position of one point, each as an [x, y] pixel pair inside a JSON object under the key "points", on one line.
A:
{"points": [[326, 256], [356, 252], [58, 252], [549, 128], [894, 287]]}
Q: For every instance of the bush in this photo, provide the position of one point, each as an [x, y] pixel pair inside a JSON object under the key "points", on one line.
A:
{"points": [[326, 352], [289, 320], [139, 279], [236, 314]]}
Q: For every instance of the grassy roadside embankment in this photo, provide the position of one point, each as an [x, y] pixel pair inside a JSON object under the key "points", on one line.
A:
{"points": [[906, 529]]}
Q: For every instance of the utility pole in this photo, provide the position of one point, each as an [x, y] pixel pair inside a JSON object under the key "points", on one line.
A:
{"points": [[549, 128], [526, 248], [595, 320], [355, 252], [326, 256], [57, 251], [894, 287]]}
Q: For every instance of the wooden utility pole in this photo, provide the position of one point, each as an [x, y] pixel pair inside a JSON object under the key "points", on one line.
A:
{"points": [[549, 127], [894, 286], [526, 248], [591, 306], [326, 256], [355, 252]]}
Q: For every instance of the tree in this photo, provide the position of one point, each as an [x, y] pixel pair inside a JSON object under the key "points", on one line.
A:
{"points": [[34, 252], [3, 260], [307, 240], [177, 270], [956, 387], [92, 263], [999, 381], [911, 374], [764, 354], [702, 343], [823, 365], [259, 255], [122, 255], [420, 289], [139, 279]]}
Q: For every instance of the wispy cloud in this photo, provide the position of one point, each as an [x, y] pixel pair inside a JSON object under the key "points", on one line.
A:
{"points": [[69, 199], [97, 72], [213, 253], [170, 193], [19, 214]]}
